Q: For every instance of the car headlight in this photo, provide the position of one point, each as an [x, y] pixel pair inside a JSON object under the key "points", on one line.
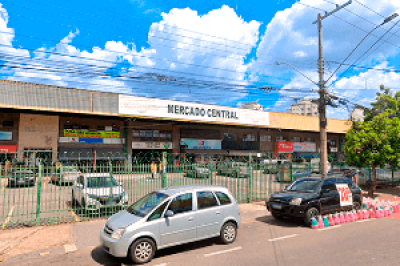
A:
{"points": [[295, 201], [118, 234]]}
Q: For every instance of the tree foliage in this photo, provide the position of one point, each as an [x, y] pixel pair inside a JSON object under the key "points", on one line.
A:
{"points": [[374, 142], [385, 100]]}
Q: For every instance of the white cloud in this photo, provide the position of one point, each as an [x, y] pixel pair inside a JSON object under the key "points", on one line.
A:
{"points": [[291, 37], [184, 53]]}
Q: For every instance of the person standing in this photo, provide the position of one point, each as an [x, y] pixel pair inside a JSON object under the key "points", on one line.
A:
{"points": [[161, 169], [153, 169]]}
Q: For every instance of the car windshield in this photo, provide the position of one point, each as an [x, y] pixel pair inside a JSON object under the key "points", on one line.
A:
{"points": [[101, 181], [146, 204], [304, 185], [69, 169]]}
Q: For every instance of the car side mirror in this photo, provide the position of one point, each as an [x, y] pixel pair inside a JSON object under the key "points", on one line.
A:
{"points": [[286, 188], [169, 214], [325, 191]]}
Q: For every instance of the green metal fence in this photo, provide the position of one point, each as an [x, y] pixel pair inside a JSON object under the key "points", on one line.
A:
{"points": [[56, 193]]}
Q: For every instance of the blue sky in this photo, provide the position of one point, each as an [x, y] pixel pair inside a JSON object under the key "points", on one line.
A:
{"points": [[216, 52]]}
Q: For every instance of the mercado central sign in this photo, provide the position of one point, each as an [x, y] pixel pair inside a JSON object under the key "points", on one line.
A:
{"points": [[151, 107]]}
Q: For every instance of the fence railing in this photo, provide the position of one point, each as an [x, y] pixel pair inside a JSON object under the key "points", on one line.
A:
{"points": [[52, 194]]}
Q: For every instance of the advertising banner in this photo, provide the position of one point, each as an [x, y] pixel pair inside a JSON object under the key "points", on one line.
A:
{"points": [[284, 147], [86, 134], [8, 148], [304, 147], [91, 140], [200, 144], [346, 198], [142, 145], [147, 107], [5, 135]]}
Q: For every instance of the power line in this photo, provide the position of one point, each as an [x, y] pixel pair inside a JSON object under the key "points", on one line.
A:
{"points": [[178, 41], [359, 58], [189, 82], [351, 24]]}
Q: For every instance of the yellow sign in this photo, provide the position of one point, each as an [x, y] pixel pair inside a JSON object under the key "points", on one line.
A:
{"points": [[86, 134]]}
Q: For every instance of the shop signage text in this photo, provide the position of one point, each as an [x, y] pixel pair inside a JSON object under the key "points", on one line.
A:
{"points": [[185, 111], [284, 147], [86, 134], [137, 145], [201, 144], [304, 147], [195, 111], [5, 135]]}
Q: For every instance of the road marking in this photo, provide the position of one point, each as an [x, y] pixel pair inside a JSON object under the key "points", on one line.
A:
{"points": [[367, 220], [222, 252], [8, 217], [73, 213], [280, 238], [162, 264], [328, 228]]}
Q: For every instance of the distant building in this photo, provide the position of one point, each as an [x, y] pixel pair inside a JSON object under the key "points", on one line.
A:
{"points": [[253, 106], [305, 106], [357, 114]]}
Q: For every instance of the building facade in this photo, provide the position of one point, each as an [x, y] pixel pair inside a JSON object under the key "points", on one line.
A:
{"points": [[79, 125], [305, 106]]}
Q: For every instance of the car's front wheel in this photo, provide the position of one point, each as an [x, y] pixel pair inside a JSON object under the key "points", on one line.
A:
{"points": [[310, 214], [356, 205], [228, 233], [142, 250]]}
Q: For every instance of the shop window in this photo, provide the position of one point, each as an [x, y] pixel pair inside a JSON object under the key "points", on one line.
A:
{"points": [[136, 133], [85, 128], [149, 133], [265, 138], [249, 137], [101, 128], [309, 140], [280, 138], [296, 139], [68, 126], [229, 136], [142, 133], [156, 133], [8, 123]]}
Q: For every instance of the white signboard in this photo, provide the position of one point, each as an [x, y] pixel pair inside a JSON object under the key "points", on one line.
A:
{"points": [[138, 145], [346, 198], [147, 107], [304, 147]]}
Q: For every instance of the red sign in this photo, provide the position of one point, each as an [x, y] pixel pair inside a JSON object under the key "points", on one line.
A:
{"points": [[283, 147], [8, 148]]}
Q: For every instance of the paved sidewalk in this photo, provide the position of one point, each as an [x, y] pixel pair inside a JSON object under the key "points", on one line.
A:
{"points": [[18, 245]]}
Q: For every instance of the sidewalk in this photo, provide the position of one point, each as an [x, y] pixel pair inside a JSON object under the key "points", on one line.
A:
{"points": [[19, 245]]}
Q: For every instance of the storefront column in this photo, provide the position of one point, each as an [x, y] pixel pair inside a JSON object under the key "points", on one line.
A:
{"points": [[176, 139], [128, 136]]}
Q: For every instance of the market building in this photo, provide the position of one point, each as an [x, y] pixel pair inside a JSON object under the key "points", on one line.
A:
{"points": [[67, 124]]}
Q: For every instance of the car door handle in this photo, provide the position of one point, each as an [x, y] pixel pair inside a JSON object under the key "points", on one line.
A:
{"points": [[190, 219], [218, 212]]}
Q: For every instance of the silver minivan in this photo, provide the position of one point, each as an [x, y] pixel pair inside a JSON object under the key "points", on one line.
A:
{"points": [[169, 217]]}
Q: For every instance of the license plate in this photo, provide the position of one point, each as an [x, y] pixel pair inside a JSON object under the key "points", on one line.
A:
{"points": [[276, 206]]}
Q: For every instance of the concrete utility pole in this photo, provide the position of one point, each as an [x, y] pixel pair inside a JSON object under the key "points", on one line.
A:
{"points": [[322, 93]]}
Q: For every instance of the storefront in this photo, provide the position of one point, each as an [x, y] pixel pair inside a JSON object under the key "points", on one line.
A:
{"points": [[7, 153]]}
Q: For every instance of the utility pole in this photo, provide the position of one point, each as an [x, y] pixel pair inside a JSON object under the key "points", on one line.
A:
{"points": [[322, 93]]}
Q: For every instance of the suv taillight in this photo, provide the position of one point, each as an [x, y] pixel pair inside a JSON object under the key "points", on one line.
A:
{"points": [[64, 175]]}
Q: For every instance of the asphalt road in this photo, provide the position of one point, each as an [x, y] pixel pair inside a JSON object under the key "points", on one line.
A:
{"points": [[264, 241]]}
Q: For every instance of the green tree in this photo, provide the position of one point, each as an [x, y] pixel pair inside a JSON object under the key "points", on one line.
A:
{"points": [[374, 143], [385, 100]]}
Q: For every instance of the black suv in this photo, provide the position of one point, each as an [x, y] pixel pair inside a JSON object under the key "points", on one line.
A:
{"points": [[308, 197]]}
